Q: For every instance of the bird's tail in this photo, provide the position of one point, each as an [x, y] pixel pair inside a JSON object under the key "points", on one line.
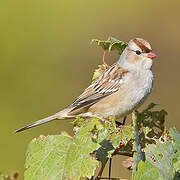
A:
{"points": [[37, 123], [59, 115]]}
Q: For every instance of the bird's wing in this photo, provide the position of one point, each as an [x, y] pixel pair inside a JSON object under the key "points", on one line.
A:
{"points": [[108, 83]]}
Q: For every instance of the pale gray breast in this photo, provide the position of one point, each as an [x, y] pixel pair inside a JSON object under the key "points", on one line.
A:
{"points": [[142, 86]]}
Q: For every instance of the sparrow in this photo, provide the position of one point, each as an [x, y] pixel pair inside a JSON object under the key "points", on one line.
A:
{"points": [[121, 88]]}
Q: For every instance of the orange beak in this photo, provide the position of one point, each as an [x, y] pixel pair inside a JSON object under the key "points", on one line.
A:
{"points": [[151, 55]]}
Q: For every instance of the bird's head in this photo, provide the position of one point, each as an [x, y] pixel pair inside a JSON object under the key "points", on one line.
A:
{"points": [[138, 54]]}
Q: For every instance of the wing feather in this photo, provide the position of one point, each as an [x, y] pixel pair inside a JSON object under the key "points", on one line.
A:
{"points": [[108, 83]]}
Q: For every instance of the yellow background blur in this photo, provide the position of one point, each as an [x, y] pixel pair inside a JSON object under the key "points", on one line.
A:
{"points": [[46, 61]]}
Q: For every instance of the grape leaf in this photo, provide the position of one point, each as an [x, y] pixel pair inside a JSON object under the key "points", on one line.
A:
{"points": [[111, 44], [146, 171], [161, 156], [98, 72], [103, 152], [60, 157], [123, 136], [151, 124], [111, 138], [176, 138], [158, 164]]}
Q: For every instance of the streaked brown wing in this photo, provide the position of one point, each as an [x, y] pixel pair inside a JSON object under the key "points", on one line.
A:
{"points": [[108, 83]]}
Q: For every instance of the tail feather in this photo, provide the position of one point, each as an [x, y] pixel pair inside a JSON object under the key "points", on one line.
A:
{"points": [[37, 123]]}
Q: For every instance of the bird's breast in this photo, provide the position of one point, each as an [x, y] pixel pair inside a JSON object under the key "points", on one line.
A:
{"points": [[130, 96]]}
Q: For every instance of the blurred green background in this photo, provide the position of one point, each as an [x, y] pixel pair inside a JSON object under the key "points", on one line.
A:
{"points": [[46, 61]]}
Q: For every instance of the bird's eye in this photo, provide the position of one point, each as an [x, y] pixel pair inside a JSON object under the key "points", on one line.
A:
{"points": [[138, 52]]}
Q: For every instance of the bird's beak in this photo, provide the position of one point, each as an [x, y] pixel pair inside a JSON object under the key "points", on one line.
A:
{"points": [[151, 55]]}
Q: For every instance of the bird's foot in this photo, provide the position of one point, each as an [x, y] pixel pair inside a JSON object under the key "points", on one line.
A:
{"points": [[120, 124]]}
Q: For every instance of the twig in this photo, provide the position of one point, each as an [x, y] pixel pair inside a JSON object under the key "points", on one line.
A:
{"points": [[124, 153], [110, 164], [138, 154], [100, 172]]}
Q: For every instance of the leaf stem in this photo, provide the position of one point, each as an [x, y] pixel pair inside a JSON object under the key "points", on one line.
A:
{"points": [[104, 62]]}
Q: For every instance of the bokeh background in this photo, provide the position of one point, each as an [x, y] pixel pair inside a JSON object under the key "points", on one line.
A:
{"points": [[46, 60]]}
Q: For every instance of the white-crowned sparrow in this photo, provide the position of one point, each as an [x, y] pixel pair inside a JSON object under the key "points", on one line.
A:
{"points": [[122, 88]]}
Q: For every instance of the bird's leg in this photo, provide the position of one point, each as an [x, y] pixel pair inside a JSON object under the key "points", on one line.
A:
{"points": [[137, 112], [104, 62], [124, 120], [121, 123]]}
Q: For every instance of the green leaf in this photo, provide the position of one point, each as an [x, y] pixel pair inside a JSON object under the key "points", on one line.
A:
{"points": [[111, 44], [124, 135], [158, 164], [161, 153], [14, 176], [146, 171], [151, 124], [98, 72], [161, 156], [150, 106], [176, 138], [103, 152], [61, 157], [5, 177]]}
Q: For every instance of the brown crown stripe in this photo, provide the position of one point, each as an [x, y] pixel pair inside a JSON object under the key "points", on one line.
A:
{"points": [[142, 46]]}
